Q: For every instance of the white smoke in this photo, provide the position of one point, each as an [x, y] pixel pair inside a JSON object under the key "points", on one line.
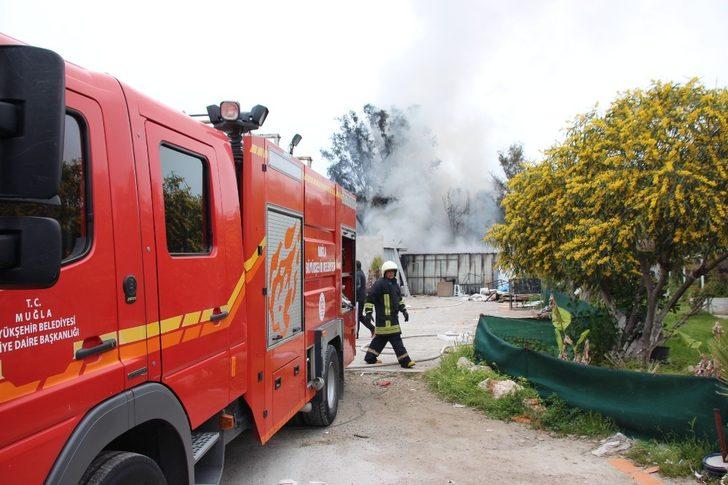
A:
{"points": [[410, 187], [447, 150], [487, 74]]}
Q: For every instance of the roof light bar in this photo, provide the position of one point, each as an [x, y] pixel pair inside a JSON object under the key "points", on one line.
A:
{"points": [[230, 110]]}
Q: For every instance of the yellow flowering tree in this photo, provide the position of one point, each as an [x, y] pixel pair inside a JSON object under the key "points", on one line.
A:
{"points": [[630, 196]]}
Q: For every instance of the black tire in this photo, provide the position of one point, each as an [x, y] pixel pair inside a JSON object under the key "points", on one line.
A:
{"points": [[325, 407], [123, 467]]}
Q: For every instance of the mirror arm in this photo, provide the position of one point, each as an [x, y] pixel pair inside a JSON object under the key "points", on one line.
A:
{"points": [[55, 200]]}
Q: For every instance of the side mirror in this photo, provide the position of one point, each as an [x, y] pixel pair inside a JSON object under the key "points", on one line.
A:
{"points": [[32, 110], [32, 121], [30, 252]]}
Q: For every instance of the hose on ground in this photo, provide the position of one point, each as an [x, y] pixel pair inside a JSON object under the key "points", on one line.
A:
{"points": [[436, 306], [364, 348], [385, 364]]}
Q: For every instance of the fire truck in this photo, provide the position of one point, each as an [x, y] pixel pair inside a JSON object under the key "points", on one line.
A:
{"points": [[165, 284]]}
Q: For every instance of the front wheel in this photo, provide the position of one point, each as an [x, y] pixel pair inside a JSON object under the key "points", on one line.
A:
{"points": [[123, 467], [326, 406]]}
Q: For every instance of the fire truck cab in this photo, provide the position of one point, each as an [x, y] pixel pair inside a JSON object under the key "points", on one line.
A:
{"points": [[162, 289]]}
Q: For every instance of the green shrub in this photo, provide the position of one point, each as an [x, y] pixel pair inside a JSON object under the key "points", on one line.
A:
{"points": [[716, 285], [376, 263]]}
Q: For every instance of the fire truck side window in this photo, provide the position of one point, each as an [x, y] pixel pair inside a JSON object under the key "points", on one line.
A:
{"points": [[186, 201], [71, 214]]}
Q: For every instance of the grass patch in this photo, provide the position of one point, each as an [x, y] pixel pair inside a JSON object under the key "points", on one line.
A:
{"points": [[461, 386], [698, 327], [675, 458], [564, 419]]}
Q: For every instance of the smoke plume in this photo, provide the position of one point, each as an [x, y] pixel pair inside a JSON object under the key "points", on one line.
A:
{"points": [[418, 199]]}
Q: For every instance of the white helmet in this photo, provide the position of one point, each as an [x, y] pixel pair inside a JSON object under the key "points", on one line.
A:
{"points": [[389, 266]]}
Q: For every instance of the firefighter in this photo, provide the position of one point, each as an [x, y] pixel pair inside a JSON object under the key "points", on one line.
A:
{"points": [[361, 296], [386, 297]]}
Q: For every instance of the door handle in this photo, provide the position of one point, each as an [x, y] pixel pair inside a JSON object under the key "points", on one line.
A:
{"points": [[104, 346], [296, 370], [278, 383], [218, 316]]}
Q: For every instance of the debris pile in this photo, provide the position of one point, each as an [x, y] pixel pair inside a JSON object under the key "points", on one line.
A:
{"points": [[616, 443]]}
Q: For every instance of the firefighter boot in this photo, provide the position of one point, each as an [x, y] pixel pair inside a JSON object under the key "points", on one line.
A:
{"points": [[374, 349]]}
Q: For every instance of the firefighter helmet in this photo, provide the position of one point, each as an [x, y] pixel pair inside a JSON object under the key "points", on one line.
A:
{"points": [[389, 266]]}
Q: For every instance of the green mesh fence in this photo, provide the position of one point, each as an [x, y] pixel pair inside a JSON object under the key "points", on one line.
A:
{"points": [[577, 308], [525, 332], [645, 404]]}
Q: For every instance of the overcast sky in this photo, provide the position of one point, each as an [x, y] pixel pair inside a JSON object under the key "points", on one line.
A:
{"points": [[487, 74]]}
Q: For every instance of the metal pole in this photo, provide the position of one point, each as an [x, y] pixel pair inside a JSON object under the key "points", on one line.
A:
{"points": [[721, 434]]}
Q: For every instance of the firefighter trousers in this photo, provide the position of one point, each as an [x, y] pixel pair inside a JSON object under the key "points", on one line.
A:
{"points": [[378, 343]]}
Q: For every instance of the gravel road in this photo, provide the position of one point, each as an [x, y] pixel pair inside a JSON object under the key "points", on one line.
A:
{"points": [[402, 434]]}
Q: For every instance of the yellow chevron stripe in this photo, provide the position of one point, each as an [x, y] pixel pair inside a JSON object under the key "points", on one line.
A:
{"points": [[127, 336], [152, 329], [236, 290], [191, 318], [206, 314], [170, 324], [133, 334], [252, 259]]}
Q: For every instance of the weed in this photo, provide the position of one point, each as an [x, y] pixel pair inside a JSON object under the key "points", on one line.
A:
{"points": [[564, 419], [675, 458]]}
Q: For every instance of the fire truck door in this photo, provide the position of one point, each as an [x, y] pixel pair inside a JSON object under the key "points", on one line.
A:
{"points": [[186, 200], [59, 345]]}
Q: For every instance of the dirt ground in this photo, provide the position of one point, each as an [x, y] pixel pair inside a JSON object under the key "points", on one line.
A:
{"points": [[403, 434]]}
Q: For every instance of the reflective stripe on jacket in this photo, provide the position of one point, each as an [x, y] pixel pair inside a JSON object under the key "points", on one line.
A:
{"points": [[385, 297]]}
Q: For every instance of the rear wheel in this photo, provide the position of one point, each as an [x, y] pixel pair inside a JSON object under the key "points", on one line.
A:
{"points": [[326, 405], [123, 467]]}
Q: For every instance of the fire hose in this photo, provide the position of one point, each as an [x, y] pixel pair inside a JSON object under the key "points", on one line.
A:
{"points": [[443, 351], [436, 306]]}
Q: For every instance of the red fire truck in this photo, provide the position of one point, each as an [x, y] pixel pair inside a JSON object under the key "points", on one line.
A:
{"points": [[164, 284]]}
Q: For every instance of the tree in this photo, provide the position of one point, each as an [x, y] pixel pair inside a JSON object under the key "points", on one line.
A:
{"points": [[629, 197], [360, 143], [512, 163], [184, 215], [456, 203], [70, 213]]}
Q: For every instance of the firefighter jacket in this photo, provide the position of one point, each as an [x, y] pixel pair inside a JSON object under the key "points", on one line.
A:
{"points": [[385, 297], [361, 286]]}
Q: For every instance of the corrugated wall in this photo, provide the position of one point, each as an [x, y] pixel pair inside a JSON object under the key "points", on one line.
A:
{"points": [[471, 271]]}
